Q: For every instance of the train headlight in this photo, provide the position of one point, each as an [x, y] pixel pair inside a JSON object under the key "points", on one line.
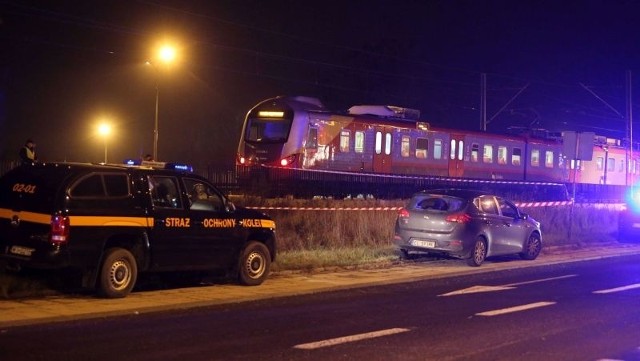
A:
{"points": [[288, 161]]}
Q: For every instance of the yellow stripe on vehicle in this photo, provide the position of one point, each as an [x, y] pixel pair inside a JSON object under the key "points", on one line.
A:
{"points": [[110, 221], [268, 224], [42, 218]]}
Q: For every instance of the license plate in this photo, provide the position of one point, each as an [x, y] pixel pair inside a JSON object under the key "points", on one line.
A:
{"points": [[425, 244], [22, 251]]}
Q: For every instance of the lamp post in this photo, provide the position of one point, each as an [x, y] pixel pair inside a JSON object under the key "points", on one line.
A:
{"points": [[104, 129], [166, 55]]}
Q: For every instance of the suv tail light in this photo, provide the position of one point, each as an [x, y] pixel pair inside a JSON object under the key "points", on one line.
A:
{"points": [[403, 213], [59, 229], [458, 218]]}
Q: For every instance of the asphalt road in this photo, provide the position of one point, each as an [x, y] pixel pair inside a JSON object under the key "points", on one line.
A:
{"points": [[575, 311]]}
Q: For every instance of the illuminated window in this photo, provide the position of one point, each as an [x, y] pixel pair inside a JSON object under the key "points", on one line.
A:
{"points": [[502, 155], [600, 163], [535, 158], [359, 142], [452, 149], [475, 149], [422, 147], [460, 149], [387, 146], [515, 157], [437, 149], [345, 136], [487, 154], [611, 165], [548, 159], [312, 138], [378, 143], [405, 146]]}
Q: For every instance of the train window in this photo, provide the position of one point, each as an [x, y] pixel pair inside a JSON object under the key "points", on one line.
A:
{"points": [[535, 158], [437, 149], [487, 154], [422, 147], [312, 138], [452, 149], [600, 163], [359, 142], [502, 154], [515, 156], [378, 142], [387, 146], [460, 149], [621, 169], [548, 159], [405, 146], [475, 149], [345, 137], [611, 165]]}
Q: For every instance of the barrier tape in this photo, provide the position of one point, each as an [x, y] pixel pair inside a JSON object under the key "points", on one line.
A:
{"points": [[614, 206]]}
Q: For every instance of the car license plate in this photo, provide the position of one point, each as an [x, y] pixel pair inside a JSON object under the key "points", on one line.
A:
{"points": [[22, 251], [425, 244]]}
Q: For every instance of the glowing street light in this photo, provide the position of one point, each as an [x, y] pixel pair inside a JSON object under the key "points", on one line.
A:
{"points": [[104, 129], [166, 54]]}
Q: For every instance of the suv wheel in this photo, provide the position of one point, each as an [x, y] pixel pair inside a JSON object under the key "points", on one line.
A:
{"points": [[254, 264], [118, 273]]}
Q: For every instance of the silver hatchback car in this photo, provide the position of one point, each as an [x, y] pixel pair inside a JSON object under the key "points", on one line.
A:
{"points": [[466, 224]]}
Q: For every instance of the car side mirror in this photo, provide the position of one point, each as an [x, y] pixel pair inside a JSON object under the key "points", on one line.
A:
{"points": [[524, 216], [230, 207]]}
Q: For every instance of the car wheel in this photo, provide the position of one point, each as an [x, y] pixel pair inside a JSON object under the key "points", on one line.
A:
{"points": [[254, 264], [118, 273], [532, 247], [478, 254]]}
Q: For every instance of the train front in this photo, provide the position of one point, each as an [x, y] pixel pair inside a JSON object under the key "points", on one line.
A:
{"points": [[274, 132]]}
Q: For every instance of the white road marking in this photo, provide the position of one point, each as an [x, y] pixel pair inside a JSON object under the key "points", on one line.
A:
{"points": [[619, 289], [478, 289], [515, 309], [352, 338]]}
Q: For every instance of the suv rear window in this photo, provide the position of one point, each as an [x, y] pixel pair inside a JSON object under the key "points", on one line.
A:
{"points": [[436, 203]]}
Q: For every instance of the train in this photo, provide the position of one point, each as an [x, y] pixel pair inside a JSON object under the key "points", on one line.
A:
{"points": [[299, 132]]}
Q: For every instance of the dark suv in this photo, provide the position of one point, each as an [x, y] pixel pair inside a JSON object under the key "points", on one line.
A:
{"points": [[113, 221]]}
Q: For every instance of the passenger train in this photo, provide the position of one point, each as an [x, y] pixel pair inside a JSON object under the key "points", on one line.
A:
{"points": [[299, 132]]}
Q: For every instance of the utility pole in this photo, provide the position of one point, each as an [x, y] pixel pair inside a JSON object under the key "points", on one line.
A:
{"points": [[483, 102], [629, 128]]}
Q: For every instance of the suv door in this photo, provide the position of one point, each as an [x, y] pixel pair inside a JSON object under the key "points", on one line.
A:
{"points": [[215, 229], [172, 243]]}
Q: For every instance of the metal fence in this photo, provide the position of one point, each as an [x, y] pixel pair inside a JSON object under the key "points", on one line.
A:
{"points": [[281, 182]]}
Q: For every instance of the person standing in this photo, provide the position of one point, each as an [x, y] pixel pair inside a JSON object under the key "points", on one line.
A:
{"points": [[28, 152]]}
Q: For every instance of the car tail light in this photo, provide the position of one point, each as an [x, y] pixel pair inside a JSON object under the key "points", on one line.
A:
{"points": [[458, 218], [59, 229], [403, 213]]}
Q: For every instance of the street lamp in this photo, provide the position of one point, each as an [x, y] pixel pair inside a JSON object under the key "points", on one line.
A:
{"points": [[166, 54], [104, 129]]}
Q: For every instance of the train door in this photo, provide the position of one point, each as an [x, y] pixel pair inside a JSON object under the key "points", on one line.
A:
{"points": [[456, 155], [382, 150]]}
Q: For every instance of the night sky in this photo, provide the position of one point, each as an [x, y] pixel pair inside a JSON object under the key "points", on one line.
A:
{"points": [[66, 64]]}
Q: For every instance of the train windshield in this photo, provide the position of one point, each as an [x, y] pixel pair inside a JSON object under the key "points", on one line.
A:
{"points": [[267, 130]]}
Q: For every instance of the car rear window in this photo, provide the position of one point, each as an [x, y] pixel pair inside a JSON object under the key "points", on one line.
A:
{"points": [[436, 203]]}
